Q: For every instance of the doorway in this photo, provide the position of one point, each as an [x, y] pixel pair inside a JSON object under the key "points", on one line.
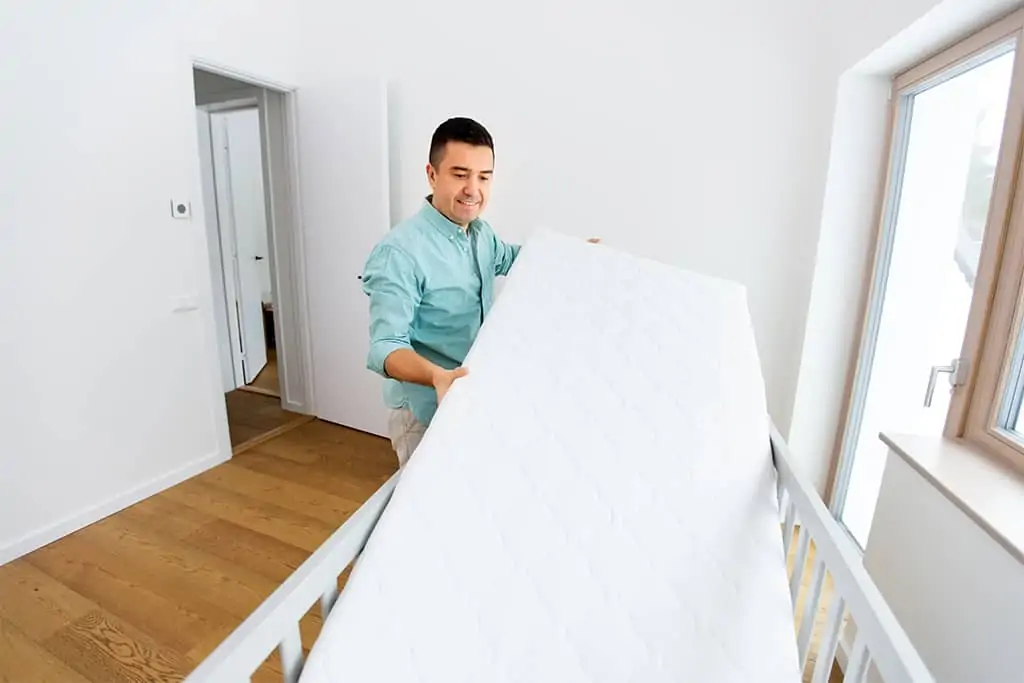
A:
{"points": [[947, 137], [252, 242], [233, 177]]}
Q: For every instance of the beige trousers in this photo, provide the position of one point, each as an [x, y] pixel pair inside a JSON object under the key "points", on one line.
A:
{"points": [[405, 432]]}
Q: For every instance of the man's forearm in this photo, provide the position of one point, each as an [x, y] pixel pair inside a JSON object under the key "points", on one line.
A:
{"points": [[408, 366]]}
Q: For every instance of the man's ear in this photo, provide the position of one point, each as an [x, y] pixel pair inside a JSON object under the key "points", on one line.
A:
{"points": [[431, 174]]}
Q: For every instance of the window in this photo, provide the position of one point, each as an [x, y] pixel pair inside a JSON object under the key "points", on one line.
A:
{"points": [[942, 347], [992, 417]]}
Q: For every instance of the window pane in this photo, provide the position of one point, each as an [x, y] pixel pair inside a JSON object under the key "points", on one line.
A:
{"points": [[1012, 415], [929, 257]]}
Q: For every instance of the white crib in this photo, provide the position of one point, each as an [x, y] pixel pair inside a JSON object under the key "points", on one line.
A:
{"points": [[879, 638], [573, 515]]}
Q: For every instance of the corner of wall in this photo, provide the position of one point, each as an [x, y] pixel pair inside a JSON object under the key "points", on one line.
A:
{"points": [[844, 255], [33, 540]]}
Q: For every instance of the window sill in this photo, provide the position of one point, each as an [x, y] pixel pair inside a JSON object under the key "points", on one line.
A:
{"points": [[986, 490]]}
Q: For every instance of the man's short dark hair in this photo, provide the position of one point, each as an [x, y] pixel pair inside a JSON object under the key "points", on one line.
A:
{"points": [[458, 129]]}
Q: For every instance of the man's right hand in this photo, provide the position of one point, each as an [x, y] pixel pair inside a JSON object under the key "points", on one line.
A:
{"points": [[443, 380], [408, 366]]}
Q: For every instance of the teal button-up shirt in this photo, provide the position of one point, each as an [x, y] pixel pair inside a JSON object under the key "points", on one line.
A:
{"points": [[430, 284]]}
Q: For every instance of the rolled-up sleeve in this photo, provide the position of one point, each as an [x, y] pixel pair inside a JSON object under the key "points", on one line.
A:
{"points": [[504, 255], [389, 279]]}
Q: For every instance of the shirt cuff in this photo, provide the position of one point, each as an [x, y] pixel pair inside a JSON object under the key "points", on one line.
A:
{"points": [[379, 351]]}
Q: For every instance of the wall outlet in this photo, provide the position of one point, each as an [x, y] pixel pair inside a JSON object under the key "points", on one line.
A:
{"points": [[181, 209]]}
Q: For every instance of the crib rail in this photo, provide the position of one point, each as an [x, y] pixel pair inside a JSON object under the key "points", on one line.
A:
{"points": [[275, 623], [879, 639]]}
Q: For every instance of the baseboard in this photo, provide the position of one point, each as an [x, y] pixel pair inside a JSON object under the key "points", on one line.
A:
{"points": [[48, 534]]}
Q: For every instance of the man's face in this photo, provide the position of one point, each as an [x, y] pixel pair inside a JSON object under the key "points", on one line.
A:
{"points": [[461, 181]]}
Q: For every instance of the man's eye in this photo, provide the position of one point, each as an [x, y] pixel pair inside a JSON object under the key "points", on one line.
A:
{"points": [[460, 175], [485, 179]]}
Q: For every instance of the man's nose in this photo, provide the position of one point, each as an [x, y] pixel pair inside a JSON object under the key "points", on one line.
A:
{"points": [[471, 188]]}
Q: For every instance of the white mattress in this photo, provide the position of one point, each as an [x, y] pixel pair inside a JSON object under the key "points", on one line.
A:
{"points": [[593, 502]]}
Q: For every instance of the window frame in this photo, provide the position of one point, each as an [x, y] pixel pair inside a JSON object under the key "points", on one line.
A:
{"points": [[974, 405], [995, 318], [996, 349]]}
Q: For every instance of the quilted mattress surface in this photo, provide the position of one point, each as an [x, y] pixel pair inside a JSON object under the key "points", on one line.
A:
{"points": [[593, 502]]}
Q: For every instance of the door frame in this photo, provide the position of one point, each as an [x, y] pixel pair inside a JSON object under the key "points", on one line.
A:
{"points": [[276, 103], [948, 63]]}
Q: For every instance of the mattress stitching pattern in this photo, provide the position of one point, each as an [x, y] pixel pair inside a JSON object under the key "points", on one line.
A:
{"points": [[592, 503]]}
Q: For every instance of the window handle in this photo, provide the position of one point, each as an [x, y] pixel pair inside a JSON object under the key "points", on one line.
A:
{"points": [[955, 379]]}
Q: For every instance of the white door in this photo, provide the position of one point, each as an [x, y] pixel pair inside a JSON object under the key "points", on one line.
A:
{"points": [[945, 152], [243, 220], [345, 189], [230, 372]]}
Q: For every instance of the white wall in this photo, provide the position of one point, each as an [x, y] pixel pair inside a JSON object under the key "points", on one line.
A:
{"points": [[108, 393], [958, 593], [694, 134]]}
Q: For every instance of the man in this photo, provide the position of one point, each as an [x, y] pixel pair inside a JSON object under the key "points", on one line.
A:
{"points": [[431, 282]]}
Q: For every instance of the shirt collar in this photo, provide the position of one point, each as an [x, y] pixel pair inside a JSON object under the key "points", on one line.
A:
{"points": [[440, 221]]}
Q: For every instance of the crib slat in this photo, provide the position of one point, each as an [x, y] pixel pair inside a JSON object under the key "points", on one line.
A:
{"points": [[799, 564], [291, 655], [327, 600], [810, 610], [783, 497], [860, 658], [787, 535], [829, 641]]}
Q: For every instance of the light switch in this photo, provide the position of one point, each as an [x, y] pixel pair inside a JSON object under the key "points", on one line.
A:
{"points": [[181, 208]]}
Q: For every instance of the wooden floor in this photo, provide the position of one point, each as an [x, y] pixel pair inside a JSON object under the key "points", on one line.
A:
{"points": [[250, 416], [268, 381], [820, 615], [147, 593]]}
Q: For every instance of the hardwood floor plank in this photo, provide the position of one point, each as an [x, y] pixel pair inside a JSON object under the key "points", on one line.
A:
{"points": [[235, 544], [320, 442], [328, 508], [309, 629], [102, 648], [147, 593], [310, 626], [270, 557], [256, 410], [168, 621], [23, 660], [349, 483], [172, 518], [37, 604], [251, 415], [270, 435], [205, 584], [297, 529], [241, 433]]}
